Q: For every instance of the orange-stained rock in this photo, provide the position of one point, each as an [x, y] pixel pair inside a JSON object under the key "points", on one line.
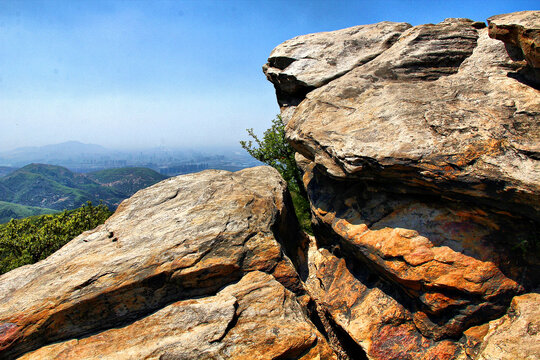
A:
{"points": [[437, 256], [368, 310], [520, 31], [256, 318], [183, 238]]}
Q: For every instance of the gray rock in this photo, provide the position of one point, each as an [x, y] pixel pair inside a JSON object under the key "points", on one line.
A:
{"points": [[426, 121], [183, 238], [307, 62]]}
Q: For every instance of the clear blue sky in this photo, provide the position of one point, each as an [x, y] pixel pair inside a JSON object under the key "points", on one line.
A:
{"points": [[128, 74]]}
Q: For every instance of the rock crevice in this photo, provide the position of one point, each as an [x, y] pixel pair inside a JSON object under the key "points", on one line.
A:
{"points": [[421, 169]]}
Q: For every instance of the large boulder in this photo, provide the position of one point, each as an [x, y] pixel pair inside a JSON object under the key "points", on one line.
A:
{"points": [[422, 169], [436, 112], [255, 318], [163, 257]]}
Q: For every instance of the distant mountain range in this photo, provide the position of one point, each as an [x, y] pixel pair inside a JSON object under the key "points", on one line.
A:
{"points": [[66, 175], [55, 153], [40, 188], [83, 158]]}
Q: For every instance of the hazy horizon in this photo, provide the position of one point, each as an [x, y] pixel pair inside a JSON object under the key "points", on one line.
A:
{"points": [[143, 74], [137, 147]]}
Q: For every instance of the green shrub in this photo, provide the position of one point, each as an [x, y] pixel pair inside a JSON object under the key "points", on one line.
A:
{"points": [[273, 149], [29, 240]]}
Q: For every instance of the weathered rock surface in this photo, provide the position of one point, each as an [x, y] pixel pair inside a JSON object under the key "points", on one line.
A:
{"points": [[515, 335], [432, 253], [365, 307], [255, 318], [422, 168], [184, 238], [307, 62], [520, 32], [436, 112]]}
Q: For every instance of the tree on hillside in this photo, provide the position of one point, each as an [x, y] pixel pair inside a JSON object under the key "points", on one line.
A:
{"points": [[274, 150]]}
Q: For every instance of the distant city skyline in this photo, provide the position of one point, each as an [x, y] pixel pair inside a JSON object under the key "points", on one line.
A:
{"points": [[140, 74]]}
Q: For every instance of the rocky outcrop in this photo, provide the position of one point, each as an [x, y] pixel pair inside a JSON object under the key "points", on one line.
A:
{"points": [[307, 62], [255, 318], [520, 32], [427, 250], [177, 256], [437, 112], [422, 169], [419, 148]]}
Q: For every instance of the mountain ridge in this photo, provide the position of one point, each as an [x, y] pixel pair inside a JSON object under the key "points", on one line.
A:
{"points": [[57, 188]]}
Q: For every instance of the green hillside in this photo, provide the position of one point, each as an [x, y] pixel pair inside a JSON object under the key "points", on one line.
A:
{"points": [[127, 180], [58, 188], [10, 211], [5, 192], [55, 187]]}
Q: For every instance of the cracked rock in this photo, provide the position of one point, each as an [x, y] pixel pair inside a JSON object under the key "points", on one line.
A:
{"points": [[184, 238]]}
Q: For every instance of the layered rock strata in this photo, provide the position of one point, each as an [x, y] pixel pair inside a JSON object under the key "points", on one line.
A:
{"points": [[169, 275], [422, 169]]}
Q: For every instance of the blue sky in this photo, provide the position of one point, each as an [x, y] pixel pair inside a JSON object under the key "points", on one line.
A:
{"points": [[133, 74]]}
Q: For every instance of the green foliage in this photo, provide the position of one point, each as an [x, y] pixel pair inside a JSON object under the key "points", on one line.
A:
{"points": [[274, 150], [303, 211], [29, 240]]}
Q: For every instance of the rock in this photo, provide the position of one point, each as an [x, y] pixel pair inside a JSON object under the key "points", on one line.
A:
{"points": [[422, 170], [520, 31], [254, 318], [515, 335], [420, 149], [184, 238], [438, 112], [366, 308], [437, 256], [306, 62]]}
